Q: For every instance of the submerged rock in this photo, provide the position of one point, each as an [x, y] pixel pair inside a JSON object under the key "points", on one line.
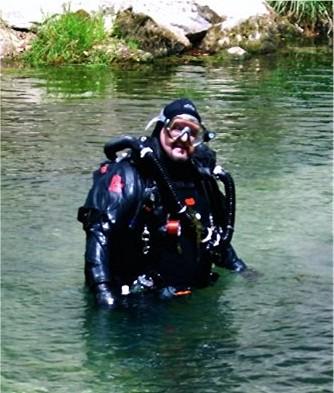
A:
{"points": [[236, 51]]}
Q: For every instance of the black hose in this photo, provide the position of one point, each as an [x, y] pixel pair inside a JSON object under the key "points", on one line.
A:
{"points": [[112, 147], [228, 182], [163, 180]]}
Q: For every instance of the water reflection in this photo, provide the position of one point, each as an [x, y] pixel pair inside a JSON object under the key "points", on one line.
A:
{"points": [[171, 344]]}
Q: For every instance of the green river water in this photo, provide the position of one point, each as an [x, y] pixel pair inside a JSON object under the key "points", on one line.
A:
{"points": [[270, 333]]}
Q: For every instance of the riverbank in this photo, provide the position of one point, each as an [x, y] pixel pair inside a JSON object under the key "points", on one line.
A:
{"points": [[183, 31]]}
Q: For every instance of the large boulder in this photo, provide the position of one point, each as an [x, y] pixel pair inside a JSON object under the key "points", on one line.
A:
{"points": [[169, 27], [142, 31], [252, 26], [180, 22], [257, 34], [233, 12], [13, 42]]}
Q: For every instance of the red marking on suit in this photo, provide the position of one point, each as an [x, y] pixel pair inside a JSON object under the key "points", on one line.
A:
{"points": [[116, 184], [190, 201]]}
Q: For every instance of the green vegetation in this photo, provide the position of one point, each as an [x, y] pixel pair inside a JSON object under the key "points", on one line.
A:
{"points": [[313, 16], [68, 39], [79, 38], [118, 34]]}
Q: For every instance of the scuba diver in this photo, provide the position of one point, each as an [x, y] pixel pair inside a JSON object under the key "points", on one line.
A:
{"points": [[155, 218]]}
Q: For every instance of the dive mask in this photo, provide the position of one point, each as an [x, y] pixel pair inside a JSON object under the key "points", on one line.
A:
{"points": [[185, 128]]}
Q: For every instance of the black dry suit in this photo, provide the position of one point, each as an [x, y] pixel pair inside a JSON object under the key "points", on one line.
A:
{"points": [[167, 231]]}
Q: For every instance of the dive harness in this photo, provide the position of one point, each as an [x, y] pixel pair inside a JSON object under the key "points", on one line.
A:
{"points": [[144, 153]]}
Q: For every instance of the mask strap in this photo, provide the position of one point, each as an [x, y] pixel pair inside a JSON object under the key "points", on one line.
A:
{"points": [[161, 117]]}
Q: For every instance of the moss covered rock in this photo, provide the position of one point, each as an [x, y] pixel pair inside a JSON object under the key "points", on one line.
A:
{"points": [[117, 51], [258, 34]]}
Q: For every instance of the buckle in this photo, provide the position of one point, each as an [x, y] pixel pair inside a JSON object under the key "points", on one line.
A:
{"points": [[183, 292]]}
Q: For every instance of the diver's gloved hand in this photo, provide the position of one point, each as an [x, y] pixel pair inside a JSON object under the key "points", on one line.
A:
{"points": [[238, 265], [231, 261], [104, 296]]}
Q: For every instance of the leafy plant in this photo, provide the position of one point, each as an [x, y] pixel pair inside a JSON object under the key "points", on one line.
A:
{"points": [[312, 15], [67, 39]]}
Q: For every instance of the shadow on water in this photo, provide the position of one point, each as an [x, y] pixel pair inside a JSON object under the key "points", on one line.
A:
{"points": [[161, 346]]}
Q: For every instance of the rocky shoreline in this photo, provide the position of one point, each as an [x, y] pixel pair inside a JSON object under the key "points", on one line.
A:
{"points": [[162, 29]]}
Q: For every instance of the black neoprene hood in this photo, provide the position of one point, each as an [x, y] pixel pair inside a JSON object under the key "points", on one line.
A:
{"points": [[182, 106]]}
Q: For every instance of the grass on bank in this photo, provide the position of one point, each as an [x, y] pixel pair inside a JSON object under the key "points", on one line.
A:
{"points": [[68, 39], [314, 16]]}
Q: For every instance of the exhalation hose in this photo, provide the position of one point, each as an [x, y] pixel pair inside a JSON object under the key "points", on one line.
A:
{"points": [[229, 186]]}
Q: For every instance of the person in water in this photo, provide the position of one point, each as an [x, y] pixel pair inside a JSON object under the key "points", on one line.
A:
{"points": [[155, 218]]}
